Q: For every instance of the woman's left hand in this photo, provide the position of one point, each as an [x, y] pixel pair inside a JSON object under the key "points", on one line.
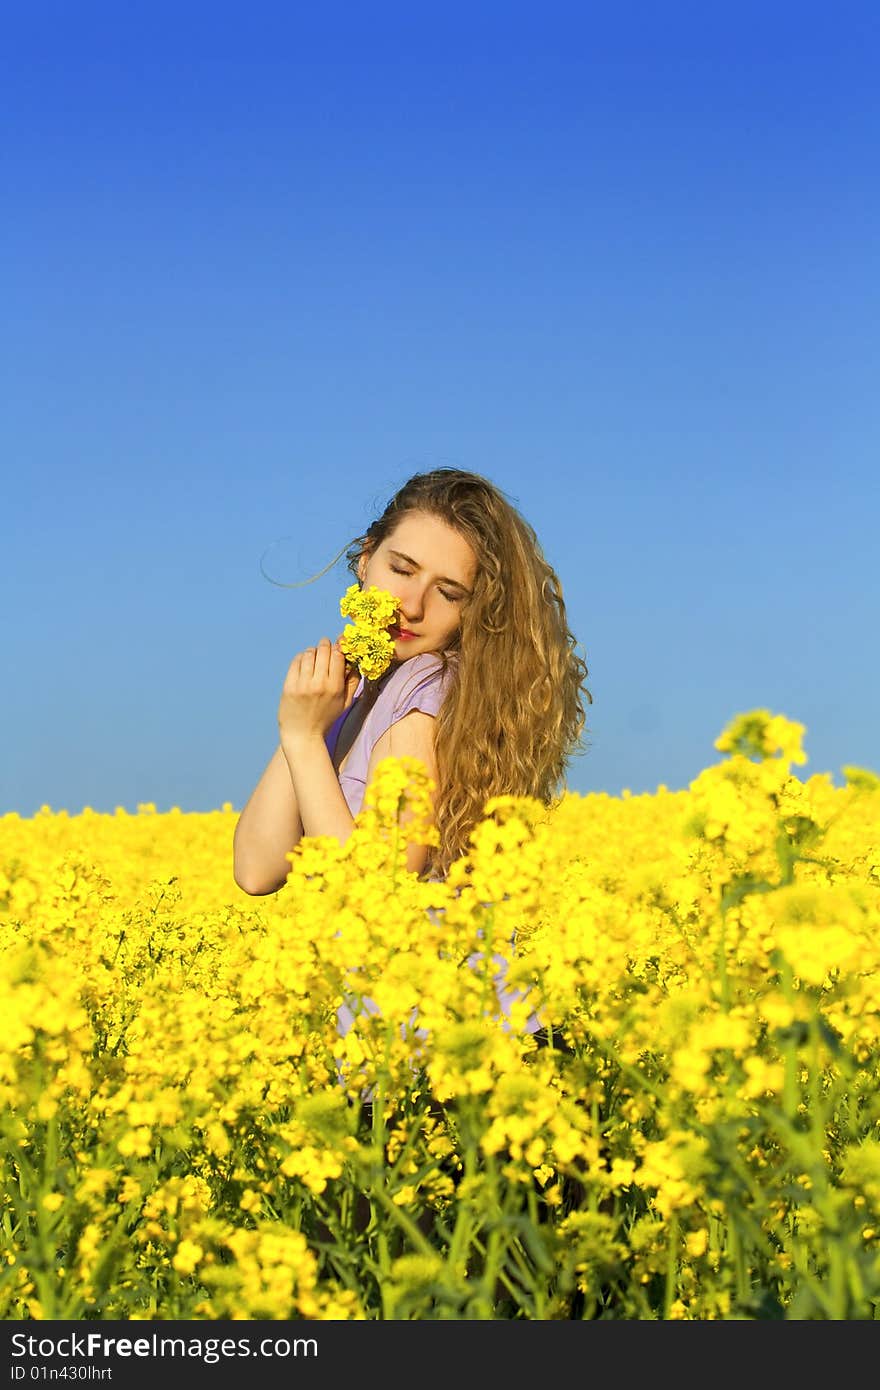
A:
{"points": [[319, 685]]}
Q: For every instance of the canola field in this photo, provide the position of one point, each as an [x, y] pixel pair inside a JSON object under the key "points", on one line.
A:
{"points": [[622, 1064]]}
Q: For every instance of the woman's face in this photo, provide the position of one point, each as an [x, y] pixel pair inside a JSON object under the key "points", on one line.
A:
{"points": [[430, 569]]}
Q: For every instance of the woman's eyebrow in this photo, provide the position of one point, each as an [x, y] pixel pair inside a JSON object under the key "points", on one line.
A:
{"points": [[398, 554]]}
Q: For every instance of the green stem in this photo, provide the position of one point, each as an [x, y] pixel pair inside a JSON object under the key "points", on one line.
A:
{"points": [[671, 1266], [405, 1223], [738, 1259], [465, 1228]]}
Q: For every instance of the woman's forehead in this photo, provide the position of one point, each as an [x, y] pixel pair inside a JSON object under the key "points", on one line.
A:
{"points": [[429, 540]]}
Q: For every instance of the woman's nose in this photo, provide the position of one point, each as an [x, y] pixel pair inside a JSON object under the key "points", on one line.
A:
{"points": [[412, 602]]}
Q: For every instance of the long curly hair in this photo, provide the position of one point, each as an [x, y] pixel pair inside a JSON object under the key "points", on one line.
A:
{"points": [[513, 715]]}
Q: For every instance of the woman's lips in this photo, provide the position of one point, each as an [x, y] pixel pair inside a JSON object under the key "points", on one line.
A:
{"points": [[402, 633]]}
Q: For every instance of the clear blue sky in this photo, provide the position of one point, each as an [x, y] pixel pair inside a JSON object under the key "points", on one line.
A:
{"points": [[262, 261]]}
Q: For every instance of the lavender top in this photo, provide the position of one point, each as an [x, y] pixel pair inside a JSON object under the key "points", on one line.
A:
{"points": [[416, 684]]}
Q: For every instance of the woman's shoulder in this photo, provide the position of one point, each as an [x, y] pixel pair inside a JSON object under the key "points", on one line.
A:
{"points": [[425, 675], [426, 663]]}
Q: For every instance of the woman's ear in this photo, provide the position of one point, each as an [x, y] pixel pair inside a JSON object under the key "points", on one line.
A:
{"points": [[362, 566]]}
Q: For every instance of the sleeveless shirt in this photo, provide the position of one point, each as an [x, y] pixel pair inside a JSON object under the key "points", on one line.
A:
{"points": [[418, 683]]}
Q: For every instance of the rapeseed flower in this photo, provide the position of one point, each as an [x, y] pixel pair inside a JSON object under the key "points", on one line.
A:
{"points": [[365, 641], [238, 1101]]}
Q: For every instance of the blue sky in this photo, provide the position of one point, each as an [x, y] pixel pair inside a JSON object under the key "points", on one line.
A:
{"points": [[261, 262]]}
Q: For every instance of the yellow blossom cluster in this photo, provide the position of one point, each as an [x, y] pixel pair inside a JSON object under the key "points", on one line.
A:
{"points": [[623, 1062], [366, 641]]}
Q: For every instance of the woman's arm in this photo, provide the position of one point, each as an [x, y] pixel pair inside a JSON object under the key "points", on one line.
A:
{"points": [[299, 792], [267, 829]]}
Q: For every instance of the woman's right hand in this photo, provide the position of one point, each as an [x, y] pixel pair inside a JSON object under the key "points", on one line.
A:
{"points": [[318, 687]]}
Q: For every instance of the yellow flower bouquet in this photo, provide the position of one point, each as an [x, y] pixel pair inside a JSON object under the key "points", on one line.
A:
{"points": [[366, 642]]}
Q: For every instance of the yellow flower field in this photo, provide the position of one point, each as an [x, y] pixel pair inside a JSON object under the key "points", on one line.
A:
{"points": [[623, 1063]]}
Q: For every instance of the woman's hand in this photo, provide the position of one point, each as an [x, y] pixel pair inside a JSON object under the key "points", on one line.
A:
{"points": [[319, 685]]}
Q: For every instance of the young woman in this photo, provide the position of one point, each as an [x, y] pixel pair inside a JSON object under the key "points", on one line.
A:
{"points": [[485, 687]]}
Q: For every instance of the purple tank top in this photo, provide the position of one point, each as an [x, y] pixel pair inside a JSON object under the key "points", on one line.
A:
{"points": [[415, 684]]}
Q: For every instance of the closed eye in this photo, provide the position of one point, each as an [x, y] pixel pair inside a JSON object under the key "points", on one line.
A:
{"points": [[450, 598]]}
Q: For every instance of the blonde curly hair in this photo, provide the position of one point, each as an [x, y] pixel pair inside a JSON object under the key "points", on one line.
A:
{"points": [[513, 714]]}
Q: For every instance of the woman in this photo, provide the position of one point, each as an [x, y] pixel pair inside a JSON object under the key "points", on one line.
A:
{"points": [[484, 687]]}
